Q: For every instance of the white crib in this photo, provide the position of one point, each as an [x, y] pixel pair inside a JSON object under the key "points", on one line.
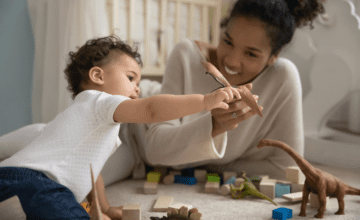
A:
{"points": [[155, 26]]}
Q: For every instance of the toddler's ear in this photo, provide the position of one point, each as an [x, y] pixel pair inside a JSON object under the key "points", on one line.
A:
{"points": [[96, 75]]}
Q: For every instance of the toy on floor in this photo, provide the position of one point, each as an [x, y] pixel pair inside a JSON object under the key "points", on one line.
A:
{"points": [[316, 181], [180, 214], [131, 212], [282, 213], [96, 214], [162, 203]]}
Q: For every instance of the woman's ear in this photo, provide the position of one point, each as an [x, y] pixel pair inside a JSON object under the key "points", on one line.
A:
{"points": [[96, 75], [272, 59]]}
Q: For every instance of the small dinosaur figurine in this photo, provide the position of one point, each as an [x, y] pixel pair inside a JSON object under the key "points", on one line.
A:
{"points": [[319, 182], [245, 93]]}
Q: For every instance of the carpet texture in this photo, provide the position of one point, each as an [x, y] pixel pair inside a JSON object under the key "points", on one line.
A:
{"points": [[214, 206]]}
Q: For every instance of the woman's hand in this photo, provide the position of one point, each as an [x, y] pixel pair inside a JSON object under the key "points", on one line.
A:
{"points": [[222, 119], [220, 97]]}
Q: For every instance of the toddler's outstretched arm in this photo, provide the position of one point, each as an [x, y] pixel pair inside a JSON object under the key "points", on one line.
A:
{"points": [[169, 107]]}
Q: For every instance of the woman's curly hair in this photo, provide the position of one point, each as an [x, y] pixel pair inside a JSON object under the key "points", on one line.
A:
{"points": [[94, 52], [281, 17]]}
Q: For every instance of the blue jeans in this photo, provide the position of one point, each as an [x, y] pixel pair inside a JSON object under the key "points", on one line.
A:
{"points": [[40, 197]]}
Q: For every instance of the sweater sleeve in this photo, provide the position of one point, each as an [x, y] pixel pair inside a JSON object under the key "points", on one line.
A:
{"points": [[176, 142]]}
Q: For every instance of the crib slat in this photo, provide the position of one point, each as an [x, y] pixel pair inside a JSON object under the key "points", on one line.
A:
{"points": [[130, 21], [205, 24], [163, 18], [190, 20], [147, 32], [177, 22]]}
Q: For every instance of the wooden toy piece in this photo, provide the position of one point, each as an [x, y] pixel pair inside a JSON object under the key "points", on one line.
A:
{"points": [[295, 175], [131, 212], [212, 187], [162, 203], [200, 175], [314, 201], [163, 171], [267, 187], [179, 205], [175, 172], [297, 187], [150, 187], [187, 180], [184, 211], [282, 213], [212, 177], [169, 179], [97, 214], [293, 197], [172, 211], [316, 180], [239, 181], [282, 189], [225, 189], [153, 176], [195, 216], [228, 174]]}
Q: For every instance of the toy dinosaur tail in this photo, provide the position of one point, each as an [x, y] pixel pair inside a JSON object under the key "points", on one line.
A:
{"points": [[352, 191], [303, 164]]}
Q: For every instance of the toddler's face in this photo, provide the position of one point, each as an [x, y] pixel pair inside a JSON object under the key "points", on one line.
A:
{"points": [[122, 76]]}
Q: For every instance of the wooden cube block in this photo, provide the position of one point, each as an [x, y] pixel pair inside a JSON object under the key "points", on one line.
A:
{"points": [[293, 197], [295, 175], [228, 174], [281, 189], [295, 187], [131, 212], [212, 187], [239, 181], [163, 171], [267, 187], [314, 201], [162, 203], [200, 175], [150, 187], [153, 176]]}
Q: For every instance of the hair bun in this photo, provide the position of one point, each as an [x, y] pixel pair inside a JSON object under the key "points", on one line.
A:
{"points": [[304, 11]]}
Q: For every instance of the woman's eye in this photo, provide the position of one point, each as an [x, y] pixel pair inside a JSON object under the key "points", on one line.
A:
{"points": [[131, 78], [227, 42], [252, 54]]}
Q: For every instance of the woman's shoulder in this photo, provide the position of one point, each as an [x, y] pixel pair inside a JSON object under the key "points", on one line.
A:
{"points": [[285, 65]]}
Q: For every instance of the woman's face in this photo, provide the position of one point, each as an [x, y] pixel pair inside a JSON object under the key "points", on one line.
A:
{"points": [[244, 50]]}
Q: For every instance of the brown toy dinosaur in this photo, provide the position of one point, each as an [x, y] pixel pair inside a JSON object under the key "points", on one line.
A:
{"points": [[319, 182]]}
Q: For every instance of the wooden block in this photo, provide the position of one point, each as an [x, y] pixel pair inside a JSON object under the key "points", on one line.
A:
{"points": [[281, 189], [225, 189], [228, 174], [131, 212], [162, 203], [212, 187], [150, 187], [295, 175], [153, 176], [163, 171], [169, 179], [293, 197], [314, 201], [184, 211], [296, 187], [195, 216], [175, 172], [200, 175], [267, 187], [179, 205], [239, 181]]}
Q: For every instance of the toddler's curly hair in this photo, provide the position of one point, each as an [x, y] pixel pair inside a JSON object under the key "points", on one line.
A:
{"points": [[94, 52]]}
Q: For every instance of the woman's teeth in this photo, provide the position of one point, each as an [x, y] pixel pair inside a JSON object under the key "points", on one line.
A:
{"points": [[230, 71]]}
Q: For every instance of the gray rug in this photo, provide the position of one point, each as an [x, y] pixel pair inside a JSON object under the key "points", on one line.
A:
{"points": [[212, 206]]}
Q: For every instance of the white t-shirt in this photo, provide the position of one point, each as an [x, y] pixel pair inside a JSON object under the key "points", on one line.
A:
{"points": [[82, 134]]}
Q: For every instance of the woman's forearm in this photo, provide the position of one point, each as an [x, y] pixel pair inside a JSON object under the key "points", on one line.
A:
{"points": [[170, 107]]}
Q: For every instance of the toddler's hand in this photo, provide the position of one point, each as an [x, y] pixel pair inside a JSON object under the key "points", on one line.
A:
{"points": [[217, 98], [115, 213]]}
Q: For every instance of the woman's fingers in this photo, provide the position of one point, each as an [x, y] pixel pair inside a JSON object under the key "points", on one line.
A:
{"points": [[234, 105]]}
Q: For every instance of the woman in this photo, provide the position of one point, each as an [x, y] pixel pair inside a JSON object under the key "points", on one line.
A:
{"points": [[248, 52]]}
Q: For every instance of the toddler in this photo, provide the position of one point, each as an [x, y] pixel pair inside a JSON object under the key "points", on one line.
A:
{"points": [[51, 175]]}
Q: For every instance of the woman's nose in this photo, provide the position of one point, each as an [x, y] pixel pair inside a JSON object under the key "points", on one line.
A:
{"points": [[233, 60]]}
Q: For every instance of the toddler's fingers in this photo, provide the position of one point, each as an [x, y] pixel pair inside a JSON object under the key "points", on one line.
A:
{"points": [[236, 92]]}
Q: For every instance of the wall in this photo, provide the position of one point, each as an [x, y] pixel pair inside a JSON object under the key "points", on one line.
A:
{"points": [[16, 65]]}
